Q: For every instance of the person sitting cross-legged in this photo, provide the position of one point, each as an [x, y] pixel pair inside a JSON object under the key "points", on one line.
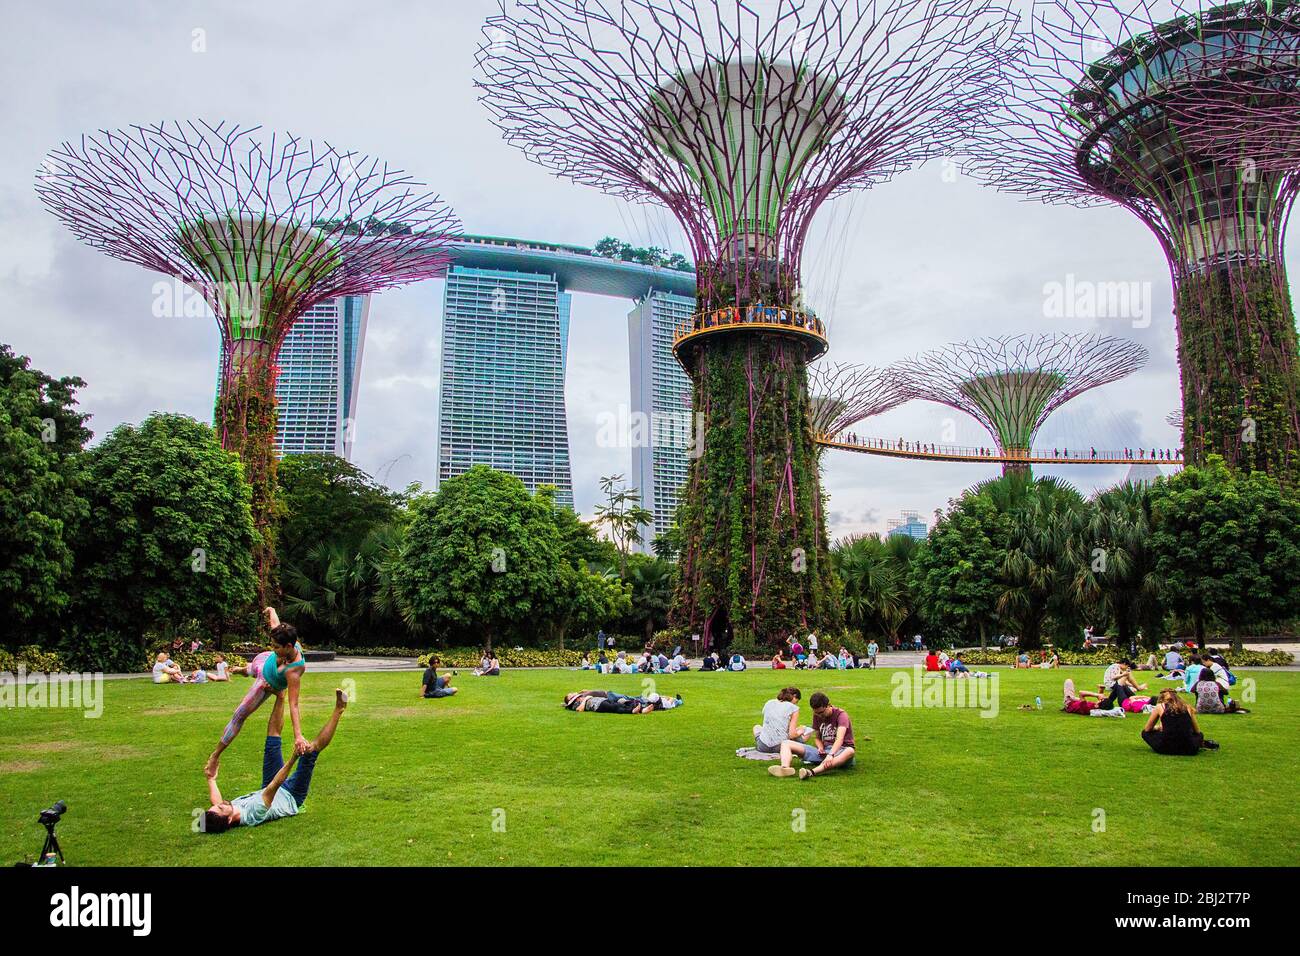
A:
{"points": [[284, 790], [434, 685], [835, 745]]}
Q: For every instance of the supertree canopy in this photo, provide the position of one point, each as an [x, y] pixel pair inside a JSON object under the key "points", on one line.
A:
{"points": [[1011, 384], [263, 227], [1192, 122], [743, 119], [843, 394]]}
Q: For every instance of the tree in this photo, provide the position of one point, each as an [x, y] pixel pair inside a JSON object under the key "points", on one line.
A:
{"points": [[172, 533], [624, 515], [1116, 568], [326, 499], [651, 581], [581, 542], [954, 574], [41, 497], [877, 595], [1227, 546], [587, 600], [1047, 517], [481, 557], [344, 595]]}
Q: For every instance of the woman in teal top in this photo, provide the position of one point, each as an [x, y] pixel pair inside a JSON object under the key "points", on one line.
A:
{"points": [[275, 672]]}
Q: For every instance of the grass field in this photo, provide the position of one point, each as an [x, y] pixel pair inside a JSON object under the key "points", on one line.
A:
{"points": [[502, 774]]}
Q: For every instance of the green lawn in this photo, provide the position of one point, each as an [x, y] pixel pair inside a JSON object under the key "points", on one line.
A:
{"points": [[410, 781]]}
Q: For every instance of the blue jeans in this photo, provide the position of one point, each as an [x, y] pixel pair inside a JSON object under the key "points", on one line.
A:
{"points": [[299, 780], [813, 758]]}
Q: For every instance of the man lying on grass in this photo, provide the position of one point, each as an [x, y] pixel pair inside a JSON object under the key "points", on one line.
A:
{"points": [[834, 733], [611, 702], [281, 795]]}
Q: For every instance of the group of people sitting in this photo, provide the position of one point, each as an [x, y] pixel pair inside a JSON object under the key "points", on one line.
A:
{"points": [[650, 662], [844, 660], [166, 671], [826, 745], [714, 661], [1171, 726], [938, 661], [612, 702], [1046, 660]]}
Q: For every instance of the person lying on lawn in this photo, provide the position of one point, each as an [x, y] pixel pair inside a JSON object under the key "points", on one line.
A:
{"points": [[611, 702], [834, 734], [283, 794], [274, 672]]}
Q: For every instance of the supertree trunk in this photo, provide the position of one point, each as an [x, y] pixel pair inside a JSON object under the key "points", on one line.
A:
{"points": [[1241, 383], [755, 550], [245, 420]]}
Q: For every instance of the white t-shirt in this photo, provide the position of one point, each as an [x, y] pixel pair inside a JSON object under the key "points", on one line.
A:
{"points": [[812, 642], [1112, 675], [776, 721], [1220, 674], [221, 668], [160, 672]]}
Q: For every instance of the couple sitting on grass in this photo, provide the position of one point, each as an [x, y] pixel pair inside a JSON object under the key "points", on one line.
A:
{"points": [[611, 702], [781, 733]]}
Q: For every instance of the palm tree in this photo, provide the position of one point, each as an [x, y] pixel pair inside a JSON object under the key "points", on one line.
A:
{"points": [[652, 593], [1047, 520], [874, 573], [1116, 568], [346, 592]]}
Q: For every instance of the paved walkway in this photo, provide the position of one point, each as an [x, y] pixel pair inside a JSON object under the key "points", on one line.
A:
{"points": [[894, 660]]}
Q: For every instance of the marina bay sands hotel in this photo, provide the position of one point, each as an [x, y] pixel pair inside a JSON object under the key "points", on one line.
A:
{"points": [[505, 339]]}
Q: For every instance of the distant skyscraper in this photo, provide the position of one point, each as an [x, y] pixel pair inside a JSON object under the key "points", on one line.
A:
{"points": [[909, 523], [661, 396], [504, 350], [320, 377]]}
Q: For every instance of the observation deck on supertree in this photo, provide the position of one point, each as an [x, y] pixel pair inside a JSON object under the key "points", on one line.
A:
{"points": [[1192, 122], [263, 226], [743, 121], [1010, 385]]}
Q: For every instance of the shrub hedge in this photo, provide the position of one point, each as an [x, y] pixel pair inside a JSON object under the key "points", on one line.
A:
{"points": [[1101, 658], [32, 659]]}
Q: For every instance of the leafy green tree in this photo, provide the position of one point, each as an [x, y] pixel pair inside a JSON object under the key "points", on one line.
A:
{"points": [[1116, 569], [41, 498], [172, 532], [581, 542], [481, 557], [587, 600], [624, 515], [1227, 546], [955, 573], [327, 500]]}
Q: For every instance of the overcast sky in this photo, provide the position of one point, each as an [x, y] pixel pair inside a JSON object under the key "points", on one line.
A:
{"points": [[926, 259]]}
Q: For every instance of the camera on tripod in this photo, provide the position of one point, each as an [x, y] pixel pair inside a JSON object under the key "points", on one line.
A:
{"points": [[51, 852]]}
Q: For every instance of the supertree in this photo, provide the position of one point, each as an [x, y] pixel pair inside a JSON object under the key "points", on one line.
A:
{"points": [[1188, 116], [1011, 384], [843, 394], [263, 227], [743, 122]]}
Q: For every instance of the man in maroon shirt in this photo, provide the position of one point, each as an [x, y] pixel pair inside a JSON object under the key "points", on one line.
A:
{"points": [[834, 748]]}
